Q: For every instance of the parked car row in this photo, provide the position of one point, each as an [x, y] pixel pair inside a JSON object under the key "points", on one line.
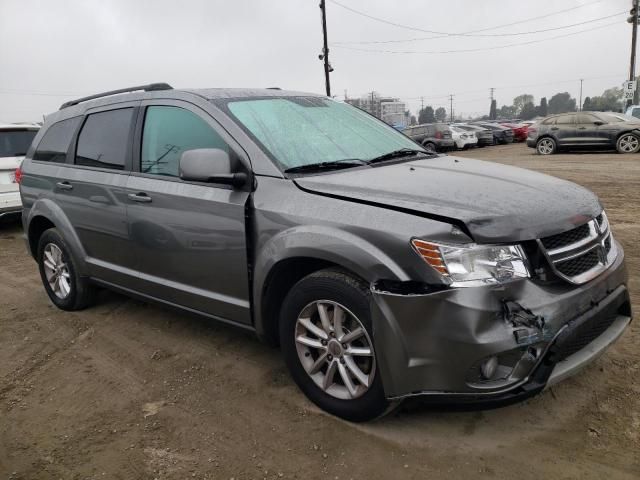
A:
{"points": [[442, 137]]}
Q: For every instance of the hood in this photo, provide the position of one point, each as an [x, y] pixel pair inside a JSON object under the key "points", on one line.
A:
{"points": [[496, 203]]}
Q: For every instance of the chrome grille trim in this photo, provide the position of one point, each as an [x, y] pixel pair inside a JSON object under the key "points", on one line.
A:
{"points": [[598, 238]]}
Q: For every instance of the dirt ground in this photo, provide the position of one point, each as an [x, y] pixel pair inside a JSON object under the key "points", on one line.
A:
{"points": [[127, 390]]}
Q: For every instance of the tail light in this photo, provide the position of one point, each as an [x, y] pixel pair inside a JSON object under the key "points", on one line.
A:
{"points": [[438, 135], [17, 175]]}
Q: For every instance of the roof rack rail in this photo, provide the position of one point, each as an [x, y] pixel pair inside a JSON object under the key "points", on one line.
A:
{"points": [[147, 88]]}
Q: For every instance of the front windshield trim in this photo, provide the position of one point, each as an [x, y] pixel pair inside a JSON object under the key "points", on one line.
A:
{"points": [[401, 140]]}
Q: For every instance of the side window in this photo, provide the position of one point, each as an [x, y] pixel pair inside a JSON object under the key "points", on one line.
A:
{"points": [[549, 121], [586, 119], [103, 140], [635, 112], [565, 120], [170, 131], [55, 142]]}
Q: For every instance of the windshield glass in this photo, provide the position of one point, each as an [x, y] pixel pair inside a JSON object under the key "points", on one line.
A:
{"points": [[15, 143], [299, 131]]}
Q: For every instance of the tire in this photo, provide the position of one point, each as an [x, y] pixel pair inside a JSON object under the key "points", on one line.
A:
{"points": [[628, 143], [546, 146], [430, 147], [318, 362], [66, 289]]}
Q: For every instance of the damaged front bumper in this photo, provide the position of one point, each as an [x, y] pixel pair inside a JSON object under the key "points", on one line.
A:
{"points": [[437, 345]]}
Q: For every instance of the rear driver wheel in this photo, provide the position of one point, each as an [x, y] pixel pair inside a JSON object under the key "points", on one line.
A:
{"points": [[325, 334], [546, 146]]}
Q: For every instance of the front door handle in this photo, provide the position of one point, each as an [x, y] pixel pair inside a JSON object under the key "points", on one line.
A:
{"points": [[139, 197], [582, 128], [64, 185], [555, 128]]}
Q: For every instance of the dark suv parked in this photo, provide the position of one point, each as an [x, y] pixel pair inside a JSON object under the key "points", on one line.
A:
{"points": [[585, 130], [435, 137], [501, 135], [382, 270]]}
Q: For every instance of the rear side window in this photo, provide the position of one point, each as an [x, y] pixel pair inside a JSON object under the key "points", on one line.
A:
{"points": [[170, 131], [15, 143], [104, 139], [585, 118], [635, 112], [565, 119], [55, 142], [549, 121]]}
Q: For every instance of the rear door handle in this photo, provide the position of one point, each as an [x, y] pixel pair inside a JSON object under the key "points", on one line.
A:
{"points": [[139, 197], [582, 128], [555, 128], [64, 185]]}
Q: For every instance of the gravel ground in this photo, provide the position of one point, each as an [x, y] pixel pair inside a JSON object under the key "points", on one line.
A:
{"points": [[127, 390]]}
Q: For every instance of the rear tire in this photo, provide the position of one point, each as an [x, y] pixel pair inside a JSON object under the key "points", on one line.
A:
{"points": [[628, 143], [326, 339], [546, 146], [66, 289]]}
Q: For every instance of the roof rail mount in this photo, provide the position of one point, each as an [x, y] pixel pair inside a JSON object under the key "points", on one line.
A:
{"points": [[152, 87]]}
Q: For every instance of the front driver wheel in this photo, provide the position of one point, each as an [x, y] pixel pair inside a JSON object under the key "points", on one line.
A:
{"points": [[628, 143], [546, 146], [326, 338]]}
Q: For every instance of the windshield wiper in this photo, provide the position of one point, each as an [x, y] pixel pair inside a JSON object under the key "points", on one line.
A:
{"points": [[403, 152], [334, 165]]}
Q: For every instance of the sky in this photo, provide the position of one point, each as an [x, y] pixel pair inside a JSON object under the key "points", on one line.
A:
{"points": [[54, 50]]}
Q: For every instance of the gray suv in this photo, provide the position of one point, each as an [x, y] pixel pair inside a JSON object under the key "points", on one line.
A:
{"points": [[383, 271], [435, 137]]}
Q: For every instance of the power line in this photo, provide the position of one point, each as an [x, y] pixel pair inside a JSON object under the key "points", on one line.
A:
{"points": [[486, 35], [468, 50], [417, 29]]}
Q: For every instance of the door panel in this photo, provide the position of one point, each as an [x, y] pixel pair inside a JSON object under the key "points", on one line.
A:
{"points": [[565, 130], [188, 238], [190, 246], [92, 193], [588, 132]]}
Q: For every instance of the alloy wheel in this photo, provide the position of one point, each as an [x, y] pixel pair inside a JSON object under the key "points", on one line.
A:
{"points": [[629, 143], [545, 146], [335, 350], [57, 271]]}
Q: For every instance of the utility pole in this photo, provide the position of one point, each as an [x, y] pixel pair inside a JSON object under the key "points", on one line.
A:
{"points": [[634, 35], [451, 108], [421, 103], [325, 49], [580, 104], [492, 90]]}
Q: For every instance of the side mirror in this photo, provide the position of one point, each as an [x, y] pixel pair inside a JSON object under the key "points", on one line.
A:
{"points": [[598, 123], [211, 165]]}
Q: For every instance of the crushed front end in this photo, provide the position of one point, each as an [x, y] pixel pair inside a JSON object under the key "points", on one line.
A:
{"points": [[502, 342]]}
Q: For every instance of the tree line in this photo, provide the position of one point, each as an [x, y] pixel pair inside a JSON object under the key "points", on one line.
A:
{"points": [[524, 107]]}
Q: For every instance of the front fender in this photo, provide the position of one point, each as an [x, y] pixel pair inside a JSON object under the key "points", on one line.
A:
{"points": [[45, 207], [322, 243]]}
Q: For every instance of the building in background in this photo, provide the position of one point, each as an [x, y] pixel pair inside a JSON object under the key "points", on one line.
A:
{"points": [[388, 109]]}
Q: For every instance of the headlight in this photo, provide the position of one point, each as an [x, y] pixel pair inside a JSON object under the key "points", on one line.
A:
{"points": [[472, 265]]}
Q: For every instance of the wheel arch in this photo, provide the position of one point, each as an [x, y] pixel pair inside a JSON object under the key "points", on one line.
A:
{"points": [[292, 255], [45, 214]]}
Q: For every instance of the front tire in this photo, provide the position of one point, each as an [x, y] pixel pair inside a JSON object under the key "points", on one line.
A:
{"points": [[628, 143], [326, 339], [66, 289], [546, 146], [430, 147]]}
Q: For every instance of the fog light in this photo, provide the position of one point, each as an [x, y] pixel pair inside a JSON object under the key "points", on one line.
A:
{"points": [[488, 367]]}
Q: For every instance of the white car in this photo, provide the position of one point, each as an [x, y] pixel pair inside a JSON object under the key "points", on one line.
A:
{"points": [[463, 138], [15, 140]]}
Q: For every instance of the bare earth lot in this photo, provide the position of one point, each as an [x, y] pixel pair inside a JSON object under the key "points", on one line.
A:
{"points": [[128, 390]]}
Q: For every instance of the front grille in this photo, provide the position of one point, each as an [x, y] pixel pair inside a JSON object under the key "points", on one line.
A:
{"points": [[580, 254], [566, 238], [578, 265], [582, 336]]}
